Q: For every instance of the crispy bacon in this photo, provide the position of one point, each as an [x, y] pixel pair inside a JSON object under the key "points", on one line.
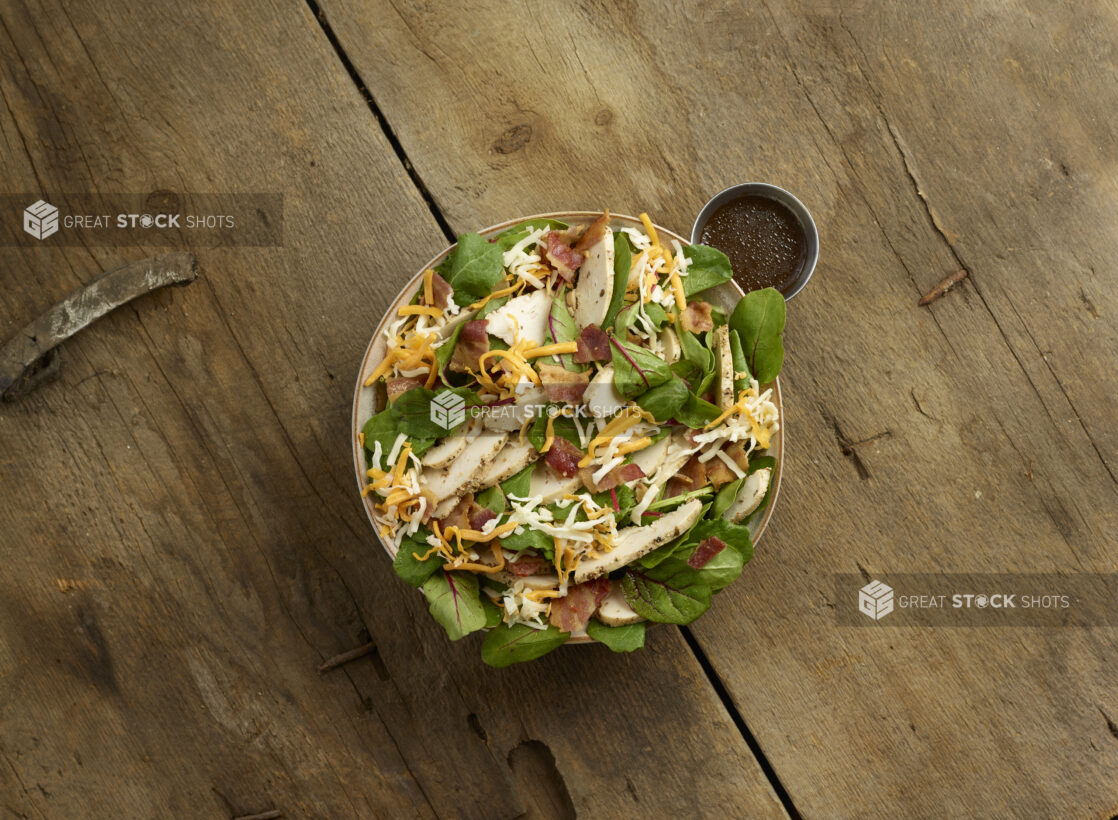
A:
{"points": [[561, 384], [620, 474], [696, 317], [479, 516], [563, 457], [691, 477], [738, 454], [440, 291], [705, 551], [527, 565], [459, 515], [559, 254], [593, 345], [399, 386], [718, 473], [573, 611], [473, 341], [594, 233]]}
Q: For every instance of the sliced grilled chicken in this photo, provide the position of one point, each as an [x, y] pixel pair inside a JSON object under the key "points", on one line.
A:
{"points": [[725, 361], [591, 295], [510, 461], [461, 476], [601, 397], [651, 457], [614, 610], [550, 487], [524, 317], [511, 417], [670, 342], [447, 450], [633, 542], [752, 493]]}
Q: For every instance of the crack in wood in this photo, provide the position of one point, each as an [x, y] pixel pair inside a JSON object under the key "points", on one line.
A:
{"points": [[540, 781]]}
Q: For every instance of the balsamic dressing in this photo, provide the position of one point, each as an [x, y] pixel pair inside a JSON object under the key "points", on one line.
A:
{"points": [[763, 240]]}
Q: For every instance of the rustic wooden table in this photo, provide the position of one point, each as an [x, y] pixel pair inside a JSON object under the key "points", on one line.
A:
{"points": [[181, 543]]}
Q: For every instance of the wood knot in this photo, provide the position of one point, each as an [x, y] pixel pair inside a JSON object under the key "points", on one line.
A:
{"points": [[513, 139], [603, 117]]}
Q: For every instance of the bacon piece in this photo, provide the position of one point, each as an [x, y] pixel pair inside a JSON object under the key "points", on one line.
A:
{"points": [[479, 516], [440, 291], [594, 233], [526, 565], [691, 477], [718, 473], [561, 384], [620, 474], [705, 551], [593, 345], [696, 317], [573, 611], [563, 457], [459, 515], [399, 386], [738, 454], [473, 341], [559, 254]]}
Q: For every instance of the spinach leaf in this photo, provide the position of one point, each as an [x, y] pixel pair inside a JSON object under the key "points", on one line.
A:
{"points": [[519, 484], [506, 239], [736, 536], [506, 645], [759, 320], [410, 568], [721, 570], [474, 269], [696, 361], [628, 638], [740, 364], [561, 327], [725, 497], [622, 261], [564, 426], [445, 351], [696, 412], [493, 613], [411, 413], [656, 314], [490, 306], [636, 370], [665, 400], [671, 593], [380, 428], [530, 539], [626, 500], [453, 601], [709, 268], [492, 498]]}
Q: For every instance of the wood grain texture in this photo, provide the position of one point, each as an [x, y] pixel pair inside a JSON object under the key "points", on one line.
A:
{"points": [[973, 435], [181, 542]]}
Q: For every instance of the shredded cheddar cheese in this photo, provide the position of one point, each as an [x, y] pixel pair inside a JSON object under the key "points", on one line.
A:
{"points": [[428, 288], [552, 350], [420, 310]]}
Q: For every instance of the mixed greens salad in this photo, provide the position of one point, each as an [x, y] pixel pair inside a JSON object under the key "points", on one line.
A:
{"points": [[572, 440]]}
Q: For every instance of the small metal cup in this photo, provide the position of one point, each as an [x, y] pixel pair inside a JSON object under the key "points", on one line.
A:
{"points": [[807, 224]]}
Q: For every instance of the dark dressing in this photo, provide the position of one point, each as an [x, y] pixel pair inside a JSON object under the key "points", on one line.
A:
{"points": [[763, 240]]}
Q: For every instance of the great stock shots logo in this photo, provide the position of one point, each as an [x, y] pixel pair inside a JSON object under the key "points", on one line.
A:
{"points": [[875, 600], [40, 219], [448, 410]]}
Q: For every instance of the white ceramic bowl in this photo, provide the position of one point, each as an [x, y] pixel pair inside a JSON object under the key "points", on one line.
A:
{"points": [[365, 400]]}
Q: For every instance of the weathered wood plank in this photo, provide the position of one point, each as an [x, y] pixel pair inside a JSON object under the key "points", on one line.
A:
{"points": [[182, 545], [995, 457]]}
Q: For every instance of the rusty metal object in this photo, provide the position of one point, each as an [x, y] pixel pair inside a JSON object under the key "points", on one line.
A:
{"points": [[29, 358]]}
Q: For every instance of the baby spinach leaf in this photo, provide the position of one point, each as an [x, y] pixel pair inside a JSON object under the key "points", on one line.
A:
{"points": [[628, 638], [670, 593], [725, 497], [696, 412], [411, 413], [709, 268], [622, 261], [506, 645], [506, 239], [493, 613], [445, 351], [490, 306], [530, 539], [561, 327], [666, 399], [736, 536], [636, 370], [410, 568], [740, 364], [563, 426], [721, 570], [453, 601], [759, 320], [474, 269], [656, 314], [492, 498], [519, 484]]}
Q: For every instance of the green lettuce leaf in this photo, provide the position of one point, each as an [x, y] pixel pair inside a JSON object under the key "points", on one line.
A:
{"points": [[709, 268], [628, 638], [759, 320], [411, 569], [670, 592], [506, 239], [506, 645], [474, 268], [453, 601], [636, 370]]}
